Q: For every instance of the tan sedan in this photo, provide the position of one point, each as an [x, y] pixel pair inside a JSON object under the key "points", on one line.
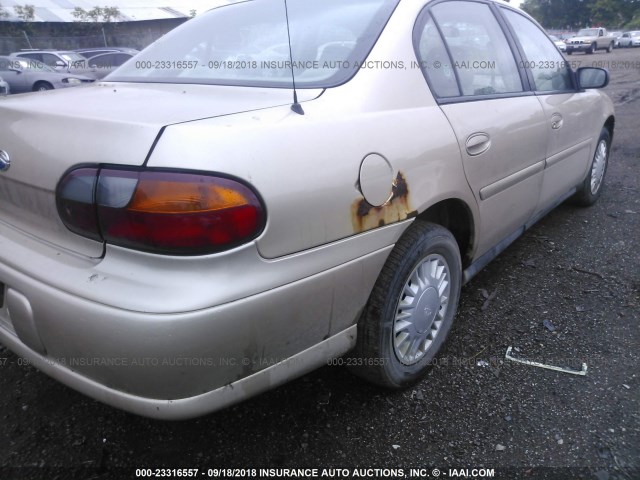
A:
{"points": [[264, 190]]}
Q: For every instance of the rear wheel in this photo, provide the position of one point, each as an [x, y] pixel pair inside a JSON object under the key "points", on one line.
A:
{"points": [[411, 308], [591, 188], [42, 86], [610, 48]]}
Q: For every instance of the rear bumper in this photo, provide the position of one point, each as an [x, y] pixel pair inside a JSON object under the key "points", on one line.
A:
{"points": [[184, 363], [197, 405]]}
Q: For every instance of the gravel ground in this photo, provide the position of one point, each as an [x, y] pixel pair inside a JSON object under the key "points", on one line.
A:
{"points": [[577, 272]]}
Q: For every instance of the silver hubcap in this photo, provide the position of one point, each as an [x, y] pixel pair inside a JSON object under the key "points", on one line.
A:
{"points": [[599, 165], [421, 309]]}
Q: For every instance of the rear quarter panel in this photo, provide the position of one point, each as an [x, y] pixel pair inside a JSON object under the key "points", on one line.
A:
{"points": [[306, 167]]}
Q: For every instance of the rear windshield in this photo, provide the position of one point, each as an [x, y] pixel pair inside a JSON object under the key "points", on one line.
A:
{"points": [[246, 44]]}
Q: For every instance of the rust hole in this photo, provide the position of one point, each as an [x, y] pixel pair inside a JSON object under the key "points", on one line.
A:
{"points": [[365, 216]]}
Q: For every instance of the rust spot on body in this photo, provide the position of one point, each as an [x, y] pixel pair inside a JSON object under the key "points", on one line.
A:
{"points": [[365, 216]]}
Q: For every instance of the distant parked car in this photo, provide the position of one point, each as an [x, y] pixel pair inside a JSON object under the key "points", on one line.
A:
{"points": [[616, 36], [630, 39], [24, 75], [558, 43], [4, 87], [60, 60], [92, 52], [102, 65], [588, 40]]}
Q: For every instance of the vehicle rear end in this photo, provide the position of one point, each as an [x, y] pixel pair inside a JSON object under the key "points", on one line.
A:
{"points": [[105, 264], [168, 243]]}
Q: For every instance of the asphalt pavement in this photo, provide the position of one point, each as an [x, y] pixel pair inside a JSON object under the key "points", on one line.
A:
{"points": [[567, 293]]}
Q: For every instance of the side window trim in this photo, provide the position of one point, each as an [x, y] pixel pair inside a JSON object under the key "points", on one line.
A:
{"points": [[516, 49], [418, 27], [514, 46], [479, 98], [523, 61]]}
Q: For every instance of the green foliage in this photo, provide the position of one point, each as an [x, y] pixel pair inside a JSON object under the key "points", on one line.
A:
{"points": [[572, 14], [96, 14], [110, 13], [26, 13], [634, 24]]}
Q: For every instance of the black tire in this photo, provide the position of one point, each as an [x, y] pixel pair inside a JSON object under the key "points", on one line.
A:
{"points": [[378, 355], [591, 49], [610, 48], [42, 87], [590, 189], [569, 52]]}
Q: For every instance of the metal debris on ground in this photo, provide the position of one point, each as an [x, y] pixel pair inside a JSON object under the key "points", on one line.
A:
{"points": [[542, 365]]}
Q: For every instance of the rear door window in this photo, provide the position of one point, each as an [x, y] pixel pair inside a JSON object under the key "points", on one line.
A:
{"points": [[435, 61], [481, 55], [548, 67]]}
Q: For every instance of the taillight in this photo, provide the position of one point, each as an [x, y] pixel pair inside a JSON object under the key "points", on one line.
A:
{"points": [[160, 211]]}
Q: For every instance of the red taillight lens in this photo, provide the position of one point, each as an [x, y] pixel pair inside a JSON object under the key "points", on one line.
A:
{"points": [[75, 199], [168, 212]]}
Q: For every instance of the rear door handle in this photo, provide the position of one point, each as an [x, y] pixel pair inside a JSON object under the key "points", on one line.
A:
{"points": [[478, 143], [557, 121]]}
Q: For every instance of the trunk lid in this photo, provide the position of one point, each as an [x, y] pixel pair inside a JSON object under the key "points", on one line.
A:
{"points": [[47, 133]]}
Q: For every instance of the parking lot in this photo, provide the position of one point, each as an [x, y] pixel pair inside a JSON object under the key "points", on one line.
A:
{"points": [[566, 293]]}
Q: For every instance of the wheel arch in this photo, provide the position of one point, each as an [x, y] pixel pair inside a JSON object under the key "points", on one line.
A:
{"points": [[41, 82], [610, 125], [456, 216]]}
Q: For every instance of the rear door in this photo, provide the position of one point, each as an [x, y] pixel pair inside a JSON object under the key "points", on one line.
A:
{"points": [[569, 113], [500, 125]]}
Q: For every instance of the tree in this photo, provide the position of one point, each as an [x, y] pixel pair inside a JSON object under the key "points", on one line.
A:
{"points": [[107, 14], [26, 13], [634, 24], [3, 12], [560, 14], [110, 13], [614, 12]]}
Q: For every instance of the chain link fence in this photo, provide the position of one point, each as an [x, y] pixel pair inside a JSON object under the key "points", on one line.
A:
{"points": [[136, 35], [14, 44]]}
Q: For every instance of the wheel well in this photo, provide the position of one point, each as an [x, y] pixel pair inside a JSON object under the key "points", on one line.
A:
{"points": [[609, 125], [455, 216], [41, 82]]}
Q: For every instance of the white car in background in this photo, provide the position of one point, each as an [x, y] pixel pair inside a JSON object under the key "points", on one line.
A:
{"points": [[630, 39], [558, 43], [616, 35], [25, 75]]}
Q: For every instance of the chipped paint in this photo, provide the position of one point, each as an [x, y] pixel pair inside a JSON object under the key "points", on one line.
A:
{"points": [[365, 216]]}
